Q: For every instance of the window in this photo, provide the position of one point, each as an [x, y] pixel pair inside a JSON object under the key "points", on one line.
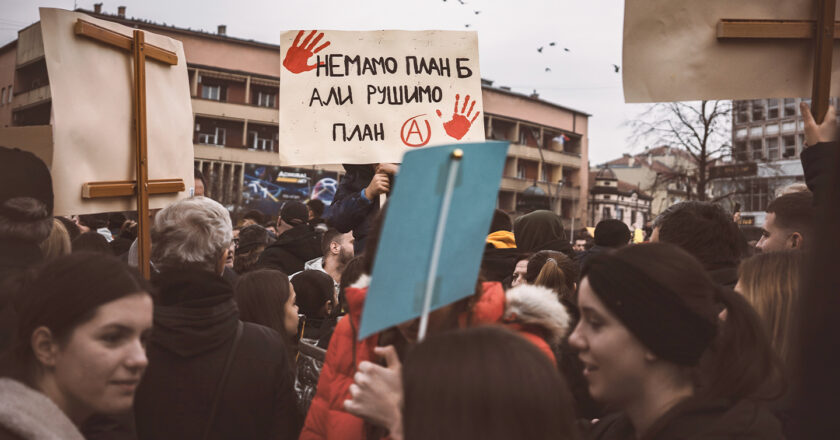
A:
{"points": [[740, 150], [757, 148], [266, 99], [215, 138], [619, 214], [520, 170], [772, 109], [790, 107], [259, 143], [10, 95], [606, 213], [789, 144], [772, 148], [801, 141], [211, 92], [741, 112], [3, 96], [757, 110]]}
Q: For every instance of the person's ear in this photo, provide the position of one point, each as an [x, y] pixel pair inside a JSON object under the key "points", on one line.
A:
{"points": [[795, 240], [335, 248], [44, 346]]}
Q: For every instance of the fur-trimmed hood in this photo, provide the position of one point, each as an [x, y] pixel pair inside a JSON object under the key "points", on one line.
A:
{"points": [[31, 415], [531, 305]]}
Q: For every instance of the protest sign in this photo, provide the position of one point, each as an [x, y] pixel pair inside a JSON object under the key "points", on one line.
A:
{"points": [[410, 262], [672, 52], [365, 97], [92, 123]]}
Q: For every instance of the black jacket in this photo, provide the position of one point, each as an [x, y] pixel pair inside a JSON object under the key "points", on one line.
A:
{"points": [[195, 323], [696, 420], [292, 250], [349, 211], [15, 258], [817, 162]]}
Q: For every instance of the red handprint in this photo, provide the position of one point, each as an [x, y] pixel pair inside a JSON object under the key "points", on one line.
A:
{"points": [[297, 57], [459, 125]]}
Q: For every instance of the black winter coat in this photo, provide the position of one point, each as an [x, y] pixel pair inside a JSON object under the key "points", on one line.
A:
{"points": [[195, 323], [15, 258], [292, 250], [696, 420]]}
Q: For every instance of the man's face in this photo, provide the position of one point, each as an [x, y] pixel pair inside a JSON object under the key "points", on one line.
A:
{"points": [[775, 238], [519, 273], [346, 252], [199, 188], [580, 245]]}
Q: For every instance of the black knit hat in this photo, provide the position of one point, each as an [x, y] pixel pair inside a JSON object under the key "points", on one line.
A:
{"points": [[611, 233], [294, 213], [657, 315], [22, 174]]}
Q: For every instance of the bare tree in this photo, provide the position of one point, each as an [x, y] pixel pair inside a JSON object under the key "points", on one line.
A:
{"points": [[701, 128]]}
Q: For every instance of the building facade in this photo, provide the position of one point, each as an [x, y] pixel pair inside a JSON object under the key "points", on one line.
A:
{"points": [[234, 85], [770, 133], [611, 198]]}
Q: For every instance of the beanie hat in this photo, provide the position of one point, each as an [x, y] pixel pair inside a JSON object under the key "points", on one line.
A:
{"points": [[22, 174], [313, 289], [652, 312], [612, 233], [294, 213]]}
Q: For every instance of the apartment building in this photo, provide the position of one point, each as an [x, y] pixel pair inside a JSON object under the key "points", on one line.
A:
{"points": [[234, 84]]}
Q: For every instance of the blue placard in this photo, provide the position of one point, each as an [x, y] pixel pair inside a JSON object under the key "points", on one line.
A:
{"points": [[405, 246]]}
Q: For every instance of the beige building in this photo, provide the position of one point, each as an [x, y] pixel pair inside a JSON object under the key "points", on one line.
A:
{"points": [[611, 198], [234, 84], [661, 172]]}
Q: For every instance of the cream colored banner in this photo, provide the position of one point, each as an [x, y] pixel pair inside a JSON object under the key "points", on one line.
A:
{"points": [[671, 52], [364, 97], [93, 135]]}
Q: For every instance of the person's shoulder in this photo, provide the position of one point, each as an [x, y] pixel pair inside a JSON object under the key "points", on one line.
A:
{"points": [[262, 342], [744, 419]]}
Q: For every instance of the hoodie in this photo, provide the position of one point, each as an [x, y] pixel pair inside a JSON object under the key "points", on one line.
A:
{"points": [[292, 249]]}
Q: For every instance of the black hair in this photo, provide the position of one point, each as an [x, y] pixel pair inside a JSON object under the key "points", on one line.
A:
{"points": [[257, 216], [330, 235], [91, 241], [612, 233], [197, 174], [313, 290], [703, 229], [71, 226], [317, 207], [261, 296]]}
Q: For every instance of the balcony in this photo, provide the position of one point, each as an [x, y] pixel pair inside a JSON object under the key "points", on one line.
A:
{"points": [[219, 153], [518, 185], [552, 157], [229, 110], [31, 98]]}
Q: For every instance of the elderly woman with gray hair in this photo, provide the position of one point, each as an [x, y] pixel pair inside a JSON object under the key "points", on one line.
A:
{"points": [[209, 372]]}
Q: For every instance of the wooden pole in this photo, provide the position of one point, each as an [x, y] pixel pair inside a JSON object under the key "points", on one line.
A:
{"points": [[823, 47], [143, 236]]}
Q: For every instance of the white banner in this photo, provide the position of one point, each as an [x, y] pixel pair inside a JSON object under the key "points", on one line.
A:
{"points": [[366, 97]]}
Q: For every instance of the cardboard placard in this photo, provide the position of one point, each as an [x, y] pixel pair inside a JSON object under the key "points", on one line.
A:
{"points": [[92, 121], [366, 97], [671, 52]]}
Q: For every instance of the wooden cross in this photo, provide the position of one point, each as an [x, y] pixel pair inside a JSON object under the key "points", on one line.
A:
{"points": [[142, 187], [822, 31]]}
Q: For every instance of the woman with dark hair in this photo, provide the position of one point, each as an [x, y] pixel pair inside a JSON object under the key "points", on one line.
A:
{"points": [[654, 349], [80, 347], [450, 393], [266, 297], [556, 271]]}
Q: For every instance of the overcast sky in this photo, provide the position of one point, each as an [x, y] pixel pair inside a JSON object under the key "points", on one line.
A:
{"points": [[509, 33]]}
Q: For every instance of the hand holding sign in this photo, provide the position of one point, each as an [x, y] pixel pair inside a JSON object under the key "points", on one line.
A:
{"points": [[377, 393], [459, 125], [297, 57]]}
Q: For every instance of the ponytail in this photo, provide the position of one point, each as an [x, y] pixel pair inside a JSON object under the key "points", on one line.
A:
{"points": [[552, 276], [741, 362]]}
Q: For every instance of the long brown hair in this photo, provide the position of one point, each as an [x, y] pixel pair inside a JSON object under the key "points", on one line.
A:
{"points": [[451, 393], [261, 296], [770, 282]]}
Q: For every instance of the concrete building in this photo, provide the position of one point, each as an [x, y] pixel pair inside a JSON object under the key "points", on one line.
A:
{"points": [[770, 133], [662, 172], [234, 84], [611, 198]]}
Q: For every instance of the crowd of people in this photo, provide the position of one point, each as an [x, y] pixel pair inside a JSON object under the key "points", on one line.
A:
{"points": [[249, 329]]}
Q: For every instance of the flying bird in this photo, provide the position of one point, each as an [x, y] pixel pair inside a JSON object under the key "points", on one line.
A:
{"points": [[539, 49], [461, 2], [552, 44], [548, 69], [466, 25], [566, 49], [615, 66]]}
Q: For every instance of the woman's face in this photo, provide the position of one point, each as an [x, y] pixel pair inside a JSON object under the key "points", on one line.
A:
{"points": [[97, 370], [615, 362], [291, 313], [519, 273]]}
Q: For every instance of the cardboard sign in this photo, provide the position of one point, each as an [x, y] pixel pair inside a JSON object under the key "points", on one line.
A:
{"points": [[366, 97], [671, 52], [92, 123], [404, 254]]}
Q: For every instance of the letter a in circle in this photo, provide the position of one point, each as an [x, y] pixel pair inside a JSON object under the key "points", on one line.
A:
{"points": [[411, 130]]}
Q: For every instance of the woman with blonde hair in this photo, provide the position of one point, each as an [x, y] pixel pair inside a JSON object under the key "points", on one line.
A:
{"points": [[770, 282], [58, 242]]}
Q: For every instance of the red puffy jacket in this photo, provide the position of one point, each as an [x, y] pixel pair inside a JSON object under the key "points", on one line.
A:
{"points": [[327, 419]]}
